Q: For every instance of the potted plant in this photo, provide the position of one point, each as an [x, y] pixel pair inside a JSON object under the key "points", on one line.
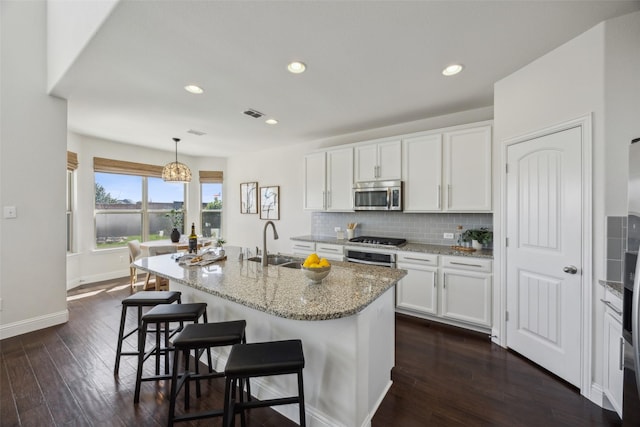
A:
{"points": [[176, 216], [478, 237], [220, 241]]}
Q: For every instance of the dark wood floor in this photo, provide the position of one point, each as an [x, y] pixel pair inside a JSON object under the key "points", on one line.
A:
{"points": [[62, 376]]}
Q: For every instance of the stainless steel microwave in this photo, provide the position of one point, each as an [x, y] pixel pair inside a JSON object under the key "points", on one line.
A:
{"points": [[377, 196]]}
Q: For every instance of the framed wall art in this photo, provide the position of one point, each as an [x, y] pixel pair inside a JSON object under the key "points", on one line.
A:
{"points": [[270, 202], [249, 198]]}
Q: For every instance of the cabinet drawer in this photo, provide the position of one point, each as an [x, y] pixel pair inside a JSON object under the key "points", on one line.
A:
{"points": [[467, 263], [613, 302], [329, 251], [304, 246], [418, 258]]}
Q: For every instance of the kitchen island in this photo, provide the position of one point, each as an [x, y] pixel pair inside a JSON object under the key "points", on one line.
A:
{"points": [[346, 324]]}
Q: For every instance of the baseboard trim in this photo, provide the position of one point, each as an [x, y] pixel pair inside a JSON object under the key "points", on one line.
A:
{"points": [[33, 324]]}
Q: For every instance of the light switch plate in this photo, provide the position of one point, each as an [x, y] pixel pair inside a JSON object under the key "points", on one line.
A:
{"points": [[10, 212]]}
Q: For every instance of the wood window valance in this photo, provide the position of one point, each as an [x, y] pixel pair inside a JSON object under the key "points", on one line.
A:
{"points": [[210, 177], [72, 161], [128, 168]]}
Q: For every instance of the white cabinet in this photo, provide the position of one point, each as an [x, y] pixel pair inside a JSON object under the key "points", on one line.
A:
{"points": [[328, 180], [378, 162], [303, 249], [422, 173], [330, 251], [467, 169], [466, 290], [417, 291], [613, 351], [448, 171]]}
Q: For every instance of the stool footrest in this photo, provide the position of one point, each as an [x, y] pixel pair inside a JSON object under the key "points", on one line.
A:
{"points": [[199, 415], [264, 403]]}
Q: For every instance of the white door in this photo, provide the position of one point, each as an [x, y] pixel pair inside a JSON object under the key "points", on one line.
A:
{"points": [[544, 271]]}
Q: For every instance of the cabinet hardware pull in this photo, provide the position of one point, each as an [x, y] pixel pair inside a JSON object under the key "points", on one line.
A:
{"points": [[324, 200], [449, 195], [464, 263], [621, 358], [439, 197], [418, 259], [328, 249], [611, 306]]}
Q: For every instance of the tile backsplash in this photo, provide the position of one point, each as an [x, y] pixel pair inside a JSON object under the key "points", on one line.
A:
{"points": [[425, 228], [616, 246]]}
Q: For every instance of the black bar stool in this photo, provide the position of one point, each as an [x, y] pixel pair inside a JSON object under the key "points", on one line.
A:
{"points": [[199, 337], [165, 314], [261, 360], [139, 300]]}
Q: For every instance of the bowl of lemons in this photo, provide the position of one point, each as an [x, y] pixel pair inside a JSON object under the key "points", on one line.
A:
{"points": [[316, 268]]}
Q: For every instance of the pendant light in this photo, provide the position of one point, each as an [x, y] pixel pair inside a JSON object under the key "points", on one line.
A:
{"points": [[176, 171]]}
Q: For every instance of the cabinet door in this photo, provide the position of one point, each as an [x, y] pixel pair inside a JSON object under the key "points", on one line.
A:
{"points": [[467, 165], [417, 291], [466, 296], [422, 173], [613, 354], [389, 160], [314, 181], [366, 162], [340, 179]]}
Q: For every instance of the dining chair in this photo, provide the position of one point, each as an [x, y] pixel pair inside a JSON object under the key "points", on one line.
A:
{"points": [[134, 253], [160, 282]]}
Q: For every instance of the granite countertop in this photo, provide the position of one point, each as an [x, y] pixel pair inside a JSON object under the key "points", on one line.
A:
{"points": [[281, 291], [614, 287], [408, 247]]}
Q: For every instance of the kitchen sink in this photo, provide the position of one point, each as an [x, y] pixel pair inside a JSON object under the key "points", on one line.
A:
{"points": [[275, 259], [294, 264]]}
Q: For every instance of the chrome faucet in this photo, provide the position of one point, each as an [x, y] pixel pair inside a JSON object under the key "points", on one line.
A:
{"points": [[264, 241]]}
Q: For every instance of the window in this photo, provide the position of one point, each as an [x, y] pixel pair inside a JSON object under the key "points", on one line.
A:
{"points": [[134, 205], [72, 165], [211, 206]]}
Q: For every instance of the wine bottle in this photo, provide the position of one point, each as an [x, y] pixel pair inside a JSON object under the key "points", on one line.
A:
{"points": [[193, 240]]}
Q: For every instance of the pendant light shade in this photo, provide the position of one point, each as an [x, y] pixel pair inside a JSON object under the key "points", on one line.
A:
{"points": [[176, 171]]}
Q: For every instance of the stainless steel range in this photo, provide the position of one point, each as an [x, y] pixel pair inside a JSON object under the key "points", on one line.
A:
{"points": [[369, 252]]}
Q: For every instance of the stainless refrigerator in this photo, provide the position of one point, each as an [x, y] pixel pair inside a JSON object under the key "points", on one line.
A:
{"points": [[631, 296]]}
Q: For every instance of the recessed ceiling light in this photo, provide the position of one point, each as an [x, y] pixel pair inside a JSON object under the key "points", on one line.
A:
{"points": [[271, 121], [452, 70], [194, 89], [296, 67]]}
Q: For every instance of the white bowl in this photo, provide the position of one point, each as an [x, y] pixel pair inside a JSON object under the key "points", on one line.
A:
{"points": [[316, 274]]}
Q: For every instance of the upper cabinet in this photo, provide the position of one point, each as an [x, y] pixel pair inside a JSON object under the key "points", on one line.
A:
{"points": [[448, 171], [467, 169], [328, 180], [380, 161]]}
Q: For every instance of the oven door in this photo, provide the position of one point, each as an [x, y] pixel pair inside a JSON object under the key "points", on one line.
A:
{"points": [[371, 257]]}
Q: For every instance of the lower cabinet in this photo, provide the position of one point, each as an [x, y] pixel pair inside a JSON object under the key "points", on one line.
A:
{"points": [[613, 352], [417, 291], [303, 249], [330, 251], [449, 289]]}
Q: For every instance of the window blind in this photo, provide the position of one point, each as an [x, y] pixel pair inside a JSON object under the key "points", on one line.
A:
{"points": [[210, 177], [72, 161], [128, 168]]}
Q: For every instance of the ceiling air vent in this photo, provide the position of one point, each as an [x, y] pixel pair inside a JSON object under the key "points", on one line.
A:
{"points": [[196, 132], [253, 113]]}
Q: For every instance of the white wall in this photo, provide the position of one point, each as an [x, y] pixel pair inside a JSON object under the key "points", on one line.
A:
{"points": [[88, 264], [70, 26], [593, 73], [33, 165]]}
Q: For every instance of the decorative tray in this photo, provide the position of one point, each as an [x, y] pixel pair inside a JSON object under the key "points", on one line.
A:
{"points": [[462, 248], [195, 260]]}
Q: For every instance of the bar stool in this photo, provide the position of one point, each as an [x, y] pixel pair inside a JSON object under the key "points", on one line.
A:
{"points": [[199, 337], [261, 360], [139, 300], [165, 314]]}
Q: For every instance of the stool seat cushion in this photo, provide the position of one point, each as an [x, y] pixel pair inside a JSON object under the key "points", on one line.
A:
{"points": [[264, 359], [151, 298], [175, 312], [201, 335]]}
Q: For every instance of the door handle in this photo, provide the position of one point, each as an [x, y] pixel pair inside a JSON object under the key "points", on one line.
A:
{"points": [[571, 269]]}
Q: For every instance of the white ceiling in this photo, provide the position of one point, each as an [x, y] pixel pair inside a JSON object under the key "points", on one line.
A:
{"points": [[370, 64]]}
